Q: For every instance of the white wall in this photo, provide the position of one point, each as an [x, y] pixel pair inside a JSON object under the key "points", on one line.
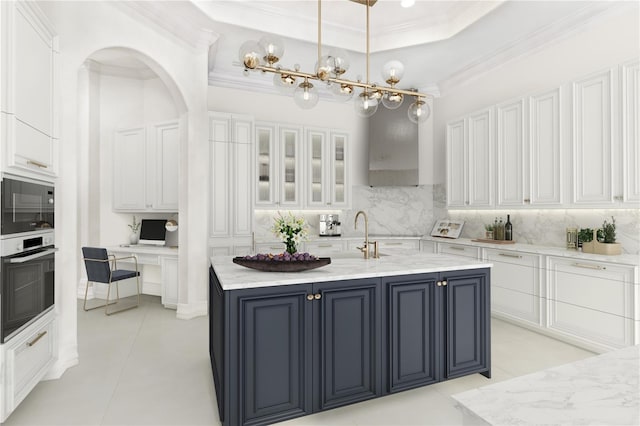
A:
{"points": [[84, 28]]}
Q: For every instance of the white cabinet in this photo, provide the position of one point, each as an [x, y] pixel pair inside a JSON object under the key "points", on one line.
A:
{"points": [[516, 285], [327, 181], [325, 248], [631, 132], [26, 358], [427, 246], [593, 302], [544, 156], [146, 168], [231, 214], [470, 162], [511, 169], [28, 99], [278, 153], [169, 271], [593, 139]]}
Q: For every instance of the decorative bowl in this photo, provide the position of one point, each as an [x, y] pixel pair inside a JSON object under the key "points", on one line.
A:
{"points": [[282, 266]]}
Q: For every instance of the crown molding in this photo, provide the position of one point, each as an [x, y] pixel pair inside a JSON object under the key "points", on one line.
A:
{"points": [[532, 43], [180, 21]]}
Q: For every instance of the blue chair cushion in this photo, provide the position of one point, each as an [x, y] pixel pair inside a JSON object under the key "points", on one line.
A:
{"points": [[98, 270], [122, 274]]}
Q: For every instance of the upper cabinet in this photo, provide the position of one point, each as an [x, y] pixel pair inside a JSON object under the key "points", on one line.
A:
{"points": [[146, 165], [327, 182], [631, 131], [231, 220], [278, 154], [600, 168], [470, 148], [28, 99], [593, 139]]}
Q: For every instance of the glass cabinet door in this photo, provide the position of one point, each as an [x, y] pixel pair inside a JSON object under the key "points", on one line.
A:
{"points": [[339, 187], [290, 156], [265, 155], [317, 179]]}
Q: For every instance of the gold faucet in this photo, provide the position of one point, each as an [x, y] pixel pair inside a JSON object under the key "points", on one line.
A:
{"points": [[364, 249]]}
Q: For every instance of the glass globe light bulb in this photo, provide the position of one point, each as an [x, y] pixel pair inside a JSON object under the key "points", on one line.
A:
{"points": [[366, 105], [342, 92], [251, 54], [273, 48], [306, 95], [392, 100], [392, 72], [333, 64], [285, 83], [419, 111]]}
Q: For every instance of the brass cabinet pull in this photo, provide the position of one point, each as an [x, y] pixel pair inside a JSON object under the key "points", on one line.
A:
{"points": [[391, 243], [275, 248], [37, 164], [324, 245], [517, 256], [317, 296], [309, 296], [38, 337], [457, 248], [588, 266]]}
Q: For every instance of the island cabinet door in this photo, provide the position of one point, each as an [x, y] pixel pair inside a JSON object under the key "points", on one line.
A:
{"points": [[347, 348], [274, 354], [412, 355], [467, 322]]}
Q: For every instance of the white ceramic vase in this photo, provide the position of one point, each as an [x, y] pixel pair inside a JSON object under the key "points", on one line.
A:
{"points": [[133, 238]]}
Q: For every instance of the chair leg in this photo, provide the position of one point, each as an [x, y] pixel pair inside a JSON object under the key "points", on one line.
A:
{"points": [[86, 291], [118, 299]]}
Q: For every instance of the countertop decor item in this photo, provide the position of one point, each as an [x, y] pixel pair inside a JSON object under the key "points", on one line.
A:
{"points": [[282, 266], [447, 228], [488, 231], [603, 240], [135, 226], [291, 230]]}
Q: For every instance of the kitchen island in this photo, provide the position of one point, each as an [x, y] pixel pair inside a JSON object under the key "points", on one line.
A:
{"points": [[285, 345]]}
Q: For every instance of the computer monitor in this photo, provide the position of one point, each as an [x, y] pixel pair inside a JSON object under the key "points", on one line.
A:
{"points": [[152, 232]]}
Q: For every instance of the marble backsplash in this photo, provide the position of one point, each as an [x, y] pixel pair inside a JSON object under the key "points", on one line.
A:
{"points": [[412, 211]]}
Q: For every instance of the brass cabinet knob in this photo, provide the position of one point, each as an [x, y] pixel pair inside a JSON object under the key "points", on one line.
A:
{"points": [[309, 296], [444, 283], [439, 283], [317, 296]]}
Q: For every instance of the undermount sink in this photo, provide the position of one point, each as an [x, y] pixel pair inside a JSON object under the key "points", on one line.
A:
{"points": [[351, 255]]}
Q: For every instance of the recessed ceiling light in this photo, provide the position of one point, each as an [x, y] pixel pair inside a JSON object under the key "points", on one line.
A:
{"points": [[407, 3]]}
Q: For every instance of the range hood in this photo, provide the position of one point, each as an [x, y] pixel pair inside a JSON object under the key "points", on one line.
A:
{"points": [[393, 149]]}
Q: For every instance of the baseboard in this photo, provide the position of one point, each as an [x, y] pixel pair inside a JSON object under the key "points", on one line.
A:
{"points": [[191, 310], [61, 365]]}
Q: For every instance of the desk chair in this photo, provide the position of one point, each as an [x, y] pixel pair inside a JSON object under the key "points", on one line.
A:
{"points": [[96, 261]]}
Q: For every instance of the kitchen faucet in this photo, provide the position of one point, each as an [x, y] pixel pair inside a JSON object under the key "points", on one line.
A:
{"points": [[365, 249]]}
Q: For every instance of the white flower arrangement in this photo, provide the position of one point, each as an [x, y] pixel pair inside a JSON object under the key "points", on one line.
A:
{"points": [[291, 230]]}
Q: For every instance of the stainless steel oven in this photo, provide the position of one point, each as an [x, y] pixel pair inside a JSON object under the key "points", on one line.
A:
{"points": [[27, 269], [27, 205]]}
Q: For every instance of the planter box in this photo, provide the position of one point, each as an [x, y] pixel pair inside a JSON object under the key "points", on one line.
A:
{"points": [[596, 247]]}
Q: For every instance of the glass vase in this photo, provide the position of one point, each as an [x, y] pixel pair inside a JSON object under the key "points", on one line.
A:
{"points": [[291, 246]]}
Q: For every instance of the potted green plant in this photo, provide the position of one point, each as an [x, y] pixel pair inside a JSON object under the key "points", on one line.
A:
{"points": [[603, 241], [585, 235], [488, 231]]}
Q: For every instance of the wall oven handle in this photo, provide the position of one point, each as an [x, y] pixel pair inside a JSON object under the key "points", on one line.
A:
{"points": [[33, 256]]}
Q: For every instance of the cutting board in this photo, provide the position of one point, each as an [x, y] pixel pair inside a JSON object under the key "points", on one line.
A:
{"points": [[482, 240]]}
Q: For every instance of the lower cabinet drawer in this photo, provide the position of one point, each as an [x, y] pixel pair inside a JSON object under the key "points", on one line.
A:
{"points": [[595, 327], [28, 360], [324, 247], [459, 250], [522, 306], [274, 247]]}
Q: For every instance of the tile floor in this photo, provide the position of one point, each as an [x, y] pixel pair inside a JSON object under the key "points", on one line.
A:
{"points": [[144, 367]]}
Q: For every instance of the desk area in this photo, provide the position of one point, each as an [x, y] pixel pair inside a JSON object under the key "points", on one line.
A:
{"points": [[158, 267]]}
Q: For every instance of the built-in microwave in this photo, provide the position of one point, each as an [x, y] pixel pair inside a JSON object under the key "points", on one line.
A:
{"points": [[27, 205]]}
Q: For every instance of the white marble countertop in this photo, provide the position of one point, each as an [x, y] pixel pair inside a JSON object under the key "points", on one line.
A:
{"points": [[234, 277], [144, 249], [602, 390], [626, 259]]}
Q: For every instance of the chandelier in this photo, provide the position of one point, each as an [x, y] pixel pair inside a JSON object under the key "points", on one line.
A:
{"points": [[264, 55]]}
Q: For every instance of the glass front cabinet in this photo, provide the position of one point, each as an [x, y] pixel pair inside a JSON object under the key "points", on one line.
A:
{"points": [[327, 183], [278, 161]]}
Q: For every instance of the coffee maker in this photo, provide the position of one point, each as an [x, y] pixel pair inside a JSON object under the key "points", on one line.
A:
{"points": [[329, 225]]}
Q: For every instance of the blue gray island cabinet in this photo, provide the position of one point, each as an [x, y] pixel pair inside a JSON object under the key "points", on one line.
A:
{"points": [[285, 345]]}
